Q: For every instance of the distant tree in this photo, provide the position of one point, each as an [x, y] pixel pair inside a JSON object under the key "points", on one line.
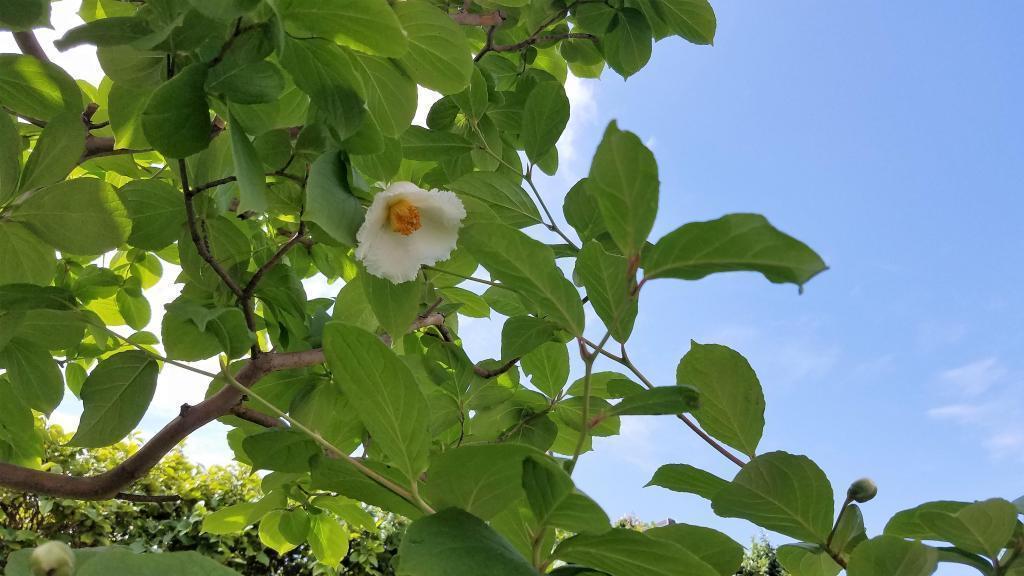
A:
{"points": [[760, 560]]}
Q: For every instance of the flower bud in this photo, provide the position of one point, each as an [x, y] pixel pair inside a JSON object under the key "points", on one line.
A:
{"points": [[862, 490], [52, 559]]}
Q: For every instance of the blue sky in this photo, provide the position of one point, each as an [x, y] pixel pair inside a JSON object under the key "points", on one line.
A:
{"points": [[887, 135]]}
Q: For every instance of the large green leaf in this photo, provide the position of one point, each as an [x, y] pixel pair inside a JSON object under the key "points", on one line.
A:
{"points": [[627, 47], [394, 305], [23, 257], [439, 56], [507, 198], [57, 152], [368, 25], [686, 478], [624, 183], [555, 502], [716, 549], [280, 450], [607, 281], [419, 143], [482, 479], [733, 243], [658, 401], [156, 210], [328, 539], [545, 115], [224, 10], [325, 72], [453, 542], [909, 523], [24, 14], [10, 157], [693, 20], [33, 374], [115, 397], [548, 367], [176, 120], [582, 212], [780, 492], [36, 88], [235, 518], [254, 83], [19, 442], [329, 204], [521, 334], [891, 556], [17, 297], [625, 552], [807, 560], [342, 477], [982, 527], [127, 101], [390, 94], [528, 267], [731, 400], [110, 31], [252, 184], [384, 392], [80, 216], [163, 564]]}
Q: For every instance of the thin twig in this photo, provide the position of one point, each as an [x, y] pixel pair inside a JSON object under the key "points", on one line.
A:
{"points": [[256, 417], [152, 498], [197, 238], [29, 45]]}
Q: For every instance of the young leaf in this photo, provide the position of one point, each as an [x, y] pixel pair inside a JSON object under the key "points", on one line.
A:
{"points": [[607, 281], [548, 367], [453, 542], [624, 183], [693, 20], [176, 121], [731, 400], [384, 392], [115, 397], [891, 556], [625, 552], [252, 184], [545, 115], [367, 25], [328, 539], [627, 47], [439, 56], [527, 267], [80, 216], [783, 493], [658, 401], [686, 478], [733, 243]]}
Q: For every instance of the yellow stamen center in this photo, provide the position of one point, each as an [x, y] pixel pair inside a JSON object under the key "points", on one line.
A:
{"points": [[403, 217]]}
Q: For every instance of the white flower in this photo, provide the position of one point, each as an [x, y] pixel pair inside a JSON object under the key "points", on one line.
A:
{"points": [[407, 227]]}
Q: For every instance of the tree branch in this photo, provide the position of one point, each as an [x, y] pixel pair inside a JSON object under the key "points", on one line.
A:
{"points": [[29, 45], [256, 417], [154, 498], [485, 19]]}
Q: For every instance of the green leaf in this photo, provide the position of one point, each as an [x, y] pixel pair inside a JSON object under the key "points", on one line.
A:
{"points": [[608, 283], [528, 267], [714, 548], [731, 400], [733, 243], [176, 120], [627, 47], [280, 450], [163, 564], [469, 303], [10, 157], [850, 532], [658, 401], [272, 536], [522, 334], [15, 297], [329, 204], [624, 183], [24, 14], [582, 212], [33, 375], [384, 392], [367, 25], [693, 20], [390, 95], [134, 308], [483, 480], [807, 560], [80, 216], [780, 492], [982, 527], [57, 152], [193, 332], [422, 144], [909, 523], [325, 72], [252, 184], [606, 385], [235, 518], [51, 329], [23, 257], [891, 556], [395, 305], [109, 31], [686, 478], [325, 409], [624, 552], [545, 115], [35, 88], [328, 539], [254, 83], [548, 367], [342, 477], [126, 102], [555, 502], [507, 198], [156, 211], [439, 56], [19, 442], [455, 542], [115, 397]]}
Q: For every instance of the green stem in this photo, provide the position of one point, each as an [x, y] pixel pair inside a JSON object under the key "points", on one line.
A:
{"points": [[588, 362]]}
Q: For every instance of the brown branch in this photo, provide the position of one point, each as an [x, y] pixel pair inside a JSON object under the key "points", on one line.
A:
{"points": [[485, 373], [542, 38], [154, 498], [197, 238], [256, 417], [485, 19], [29, 45], [267, 266]]}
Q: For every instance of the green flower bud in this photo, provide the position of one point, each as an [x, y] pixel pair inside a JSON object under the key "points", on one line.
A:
{"points": [[52, 559], [862, 490]]}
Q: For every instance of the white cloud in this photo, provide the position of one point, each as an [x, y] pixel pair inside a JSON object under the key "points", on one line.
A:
{"points": [[583, 111], [974, 378], [1006, 444], [962, 413]]}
